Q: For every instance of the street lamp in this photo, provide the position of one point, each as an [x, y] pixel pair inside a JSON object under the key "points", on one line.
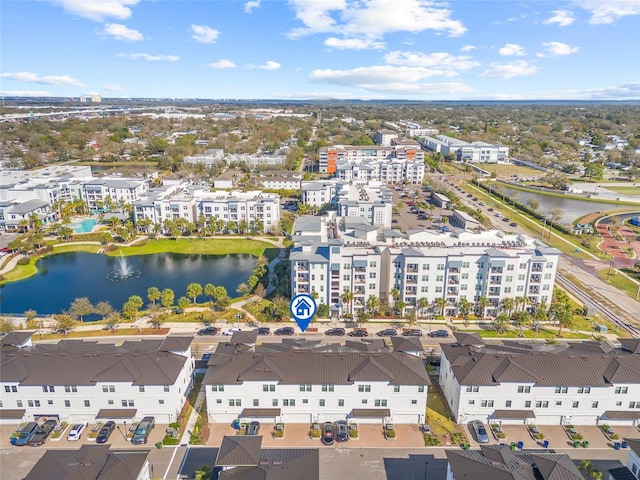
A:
{"points": [[426, 469]]}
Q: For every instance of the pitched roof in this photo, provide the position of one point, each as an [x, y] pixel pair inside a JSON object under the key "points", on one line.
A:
{"points": [[406, 344], [89, 462], [634, 445], [279, 464], [176, 343], [16, 339], [239, 451]]}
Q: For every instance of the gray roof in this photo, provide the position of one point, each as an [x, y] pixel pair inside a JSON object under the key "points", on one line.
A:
{"points": [[406, 344], [28, 206], [89, 462], [176, 343], [634, 445], [296, 366], [117, 413], [279, 464], [83, 362], [239, 451], [572, 364], [244, 337], [16, 339]]}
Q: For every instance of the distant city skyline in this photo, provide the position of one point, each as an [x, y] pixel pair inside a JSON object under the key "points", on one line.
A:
{"points": [[322, 49]]}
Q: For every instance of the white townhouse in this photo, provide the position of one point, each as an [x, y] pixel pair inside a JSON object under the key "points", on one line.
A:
{"points": [[126, 190], [578, 383], [472, 152], [370, 201], [317, 193], [633, 462], [81, 380], [280, 181], [169, 202], [308, 382], [419, 264]]}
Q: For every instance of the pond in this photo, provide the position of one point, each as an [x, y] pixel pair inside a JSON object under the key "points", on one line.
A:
{"points": [[571, 208], [62, 278]]}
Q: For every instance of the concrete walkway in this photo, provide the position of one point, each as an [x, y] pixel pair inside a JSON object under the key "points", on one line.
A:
{"points": [[11, 264], [193, 418]]}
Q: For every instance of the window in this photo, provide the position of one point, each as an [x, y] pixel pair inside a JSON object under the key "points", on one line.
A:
{"points": [[161, 401], [414, 402], [542, 404], [67, 404], [71, 388], [49, 402], [562, 389], [19, 403], [305, 388], [558, 403], [166, 388], [269, 388], [341, 402], [527, 404], [274, 402], [30, 403], [420, 388], [87, 403], [235, 402], [305, 401], [289, 402], [584, 390], [50, 389], [217, 388], [321, 402], [7, 388], [474, 388], [141, 388], [396, 388], [594, 404], [380, 403], [618, 404], [364, 401], [524, 389], [622, 390], [327, 388], [472, 402], [364, 388], [575, 404], [486, 403], [256, 402], [507, 404], [218, 401], [110, 402]]}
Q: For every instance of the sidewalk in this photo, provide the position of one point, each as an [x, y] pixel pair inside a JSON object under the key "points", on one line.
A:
{"points": [[193, 418]]}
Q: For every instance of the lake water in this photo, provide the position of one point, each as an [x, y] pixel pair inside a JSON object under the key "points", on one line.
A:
{"points": [[571, 208], [62, 278]]}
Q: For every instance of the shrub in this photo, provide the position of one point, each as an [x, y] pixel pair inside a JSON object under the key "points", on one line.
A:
{"points": [[315, 430], [577, 436], [24, 261], [169, 440], [353, 431], [278, 431], [431, 441]]}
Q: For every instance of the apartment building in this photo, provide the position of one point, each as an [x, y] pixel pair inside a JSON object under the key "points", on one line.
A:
{"points": [[420, 264], [384, 137], [312, 382], [317, 193], [184, 201], [369, 201], [83, 380], [472, 152], [125, 190], [210, 158], [579, 383]]}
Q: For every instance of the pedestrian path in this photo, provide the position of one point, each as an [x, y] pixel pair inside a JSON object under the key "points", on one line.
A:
{"points": [[193, 418]]}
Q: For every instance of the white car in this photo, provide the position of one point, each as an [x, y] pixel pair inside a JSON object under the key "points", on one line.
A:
{"points": [[230, 331], [76, 432]]}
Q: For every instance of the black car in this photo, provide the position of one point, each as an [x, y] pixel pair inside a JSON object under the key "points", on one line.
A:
{"points": [[513, 224], [342, 431], [335, 332], [253, 428], [414, 332], [42, 434], [490, 209], [284, 331], [358, 333], [438, 334], [506, 219], [106, 431], [327, 433], [208, 331], [263, 330], [387, 332]]}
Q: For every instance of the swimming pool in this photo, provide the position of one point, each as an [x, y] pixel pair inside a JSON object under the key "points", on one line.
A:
{"points": [[84, 226]]}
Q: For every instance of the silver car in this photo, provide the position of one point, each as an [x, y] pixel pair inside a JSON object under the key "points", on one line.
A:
{"points": [[481, 432]]}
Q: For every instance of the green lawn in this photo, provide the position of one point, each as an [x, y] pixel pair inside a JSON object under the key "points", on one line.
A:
{"points": [[501, 169], [546, 332], [209, 246], [623, 190]]}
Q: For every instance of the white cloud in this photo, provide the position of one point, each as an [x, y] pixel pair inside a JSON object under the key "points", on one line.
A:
{"points": [[555, 49], [121, 32], [373, 17], [619, 92], [509, 70], [609, 11], [563, 18], [444, 61], [222, 64], [511, 50], [388, 78], [353, 43], [149, 57], [251, 5], [98, 10], [467, 48], [25, 93], [113, 88], [270, 65], [204, 34], [28, 77]]}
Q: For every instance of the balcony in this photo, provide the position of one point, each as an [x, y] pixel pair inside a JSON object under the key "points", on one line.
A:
{"points": [[536, 267], [454, 270], [536, 279], [534, 290], [360, 269], [359, 280], [411, 269], [302, 267], [302, 279], [453, 281], [496, 270], [452, 291], [302, 289]]}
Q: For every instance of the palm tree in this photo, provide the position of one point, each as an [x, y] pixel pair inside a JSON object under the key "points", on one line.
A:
{"points": [[373, 304], [423, 304], [441, 303], [501, 320], [507, 304], [153, 294], [539, 315], [522, 318], [347, 297], [464, 306], [210, 291], [483, 303]]}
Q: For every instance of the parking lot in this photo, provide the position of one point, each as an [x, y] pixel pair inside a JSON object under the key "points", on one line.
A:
{"points": [[405, 219]]}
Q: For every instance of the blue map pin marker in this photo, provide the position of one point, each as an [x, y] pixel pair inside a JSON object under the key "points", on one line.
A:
{"points": [[303, 308]]}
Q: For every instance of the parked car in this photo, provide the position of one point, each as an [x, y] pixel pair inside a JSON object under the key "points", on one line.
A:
{"points": [[387, 332], [263, 330], [413, 332], [106, 431], [335, 332], [513, 224], [358, 332], [208, 331], [506, 219], [76, 432], [481, 432], [490, 209], [327, 433], [342, 431], [28, 431], [230, 331], [438, 334], [253, 428], [43, 433], [143, 430], [284, 331]]}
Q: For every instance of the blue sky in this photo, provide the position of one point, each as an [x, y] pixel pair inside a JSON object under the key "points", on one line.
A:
{"points": [[315, 49]]}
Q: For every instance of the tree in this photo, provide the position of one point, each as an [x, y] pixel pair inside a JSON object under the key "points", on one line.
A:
{"points": [[30, 316], [347, 297], [167, 298], [483, 303], [183, 303], [193, 290], [539, 315], [81, 307], [153, 294], [373, 304], [423, 304], [323, 310], [399, 306], [533, 204], [132, 306], [593, 171], [6, 326], [501, 320], [260, 291], [507, 304], [210, 291], [464, 306], [441, 303], [280, 306], [113, 319], [64, 321], [521, 319], [104, 309]]}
